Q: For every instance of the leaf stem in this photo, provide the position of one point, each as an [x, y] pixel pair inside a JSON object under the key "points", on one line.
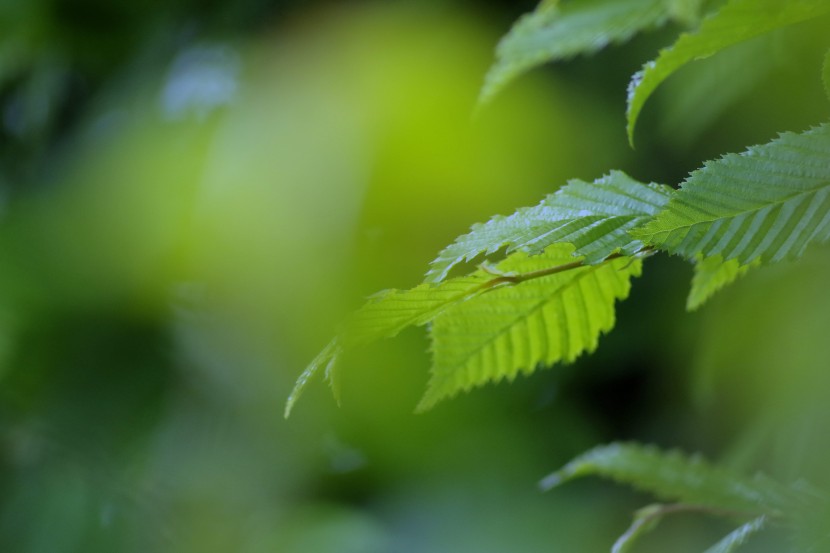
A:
{"points": [[517, 278]]}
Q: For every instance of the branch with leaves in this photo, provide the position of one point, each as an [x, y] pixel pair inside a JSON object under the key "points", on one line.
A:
{"points": [[566, 261]]}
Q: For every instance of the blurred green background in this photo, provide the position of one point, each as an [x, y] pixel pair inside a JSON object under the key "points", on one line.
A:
{"points": [[194, 193]]}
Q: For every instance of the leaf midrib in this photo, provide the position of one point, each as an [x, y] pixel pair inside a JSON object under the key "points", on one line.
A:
{"points": [[535, 308], [735, 215]]}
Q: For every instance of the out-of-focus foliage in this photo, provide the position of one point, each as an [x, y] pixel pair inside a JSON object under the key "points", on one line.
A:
{"points": [[736, 22], [555, 32], [194, 193]]}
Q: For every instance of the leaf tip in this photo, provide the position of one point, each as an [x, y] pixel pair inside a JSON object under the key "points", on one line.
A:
{"points": [[329, 356]]}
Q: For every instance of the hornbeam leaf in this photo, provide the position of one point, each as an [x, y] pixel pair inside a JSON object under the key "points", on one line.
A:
{"points": [[711, 275], [737, 21], [768, 203], [513, 329], [672, 476], [594, 217], [555, 32], [739, 536]]}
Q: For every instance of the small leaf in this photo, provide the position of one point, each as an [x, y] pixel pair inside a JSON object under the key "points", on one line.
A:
{"points": [[768, 203], [515, 328], [739, 536], [594, 217], [672, 476], [561, 32], [737, 21], [711, 275]]}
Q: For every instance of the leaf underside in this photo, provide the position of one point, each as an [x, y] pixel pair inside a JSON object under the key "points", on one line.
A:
{"points": [[737, 21], [514, 329], [672, 476], [769, 203], [554, 33], [595, 217]]}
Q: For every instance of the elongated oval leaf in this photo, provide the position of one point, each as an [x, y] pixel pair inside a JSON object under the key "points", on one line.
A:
{"points": [[516, 328], [595, 217], [672, 476], [555, 32], [737, 21], [768, 203]]}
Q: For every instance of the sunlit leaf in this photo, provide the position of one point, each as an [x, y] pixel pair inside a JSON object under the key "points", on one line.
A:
{"points": [[514, 329], [594, 217], [560, 32], [768, 203], [737, 21]]}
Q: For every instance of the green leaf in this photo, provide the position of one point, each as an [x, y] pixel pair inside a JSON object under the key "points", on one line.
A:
{"points": [[561, 32], [711, 275], [768, 203], [513, 329], [384, 316], [739, 536], [672, 476], [390, 311], [737, 21], [594, 217], [825, 74]]}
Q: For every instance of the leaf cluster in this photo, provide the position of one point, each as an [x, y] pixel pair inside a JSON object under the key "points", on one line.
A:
{"points": [[552, 273]]}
